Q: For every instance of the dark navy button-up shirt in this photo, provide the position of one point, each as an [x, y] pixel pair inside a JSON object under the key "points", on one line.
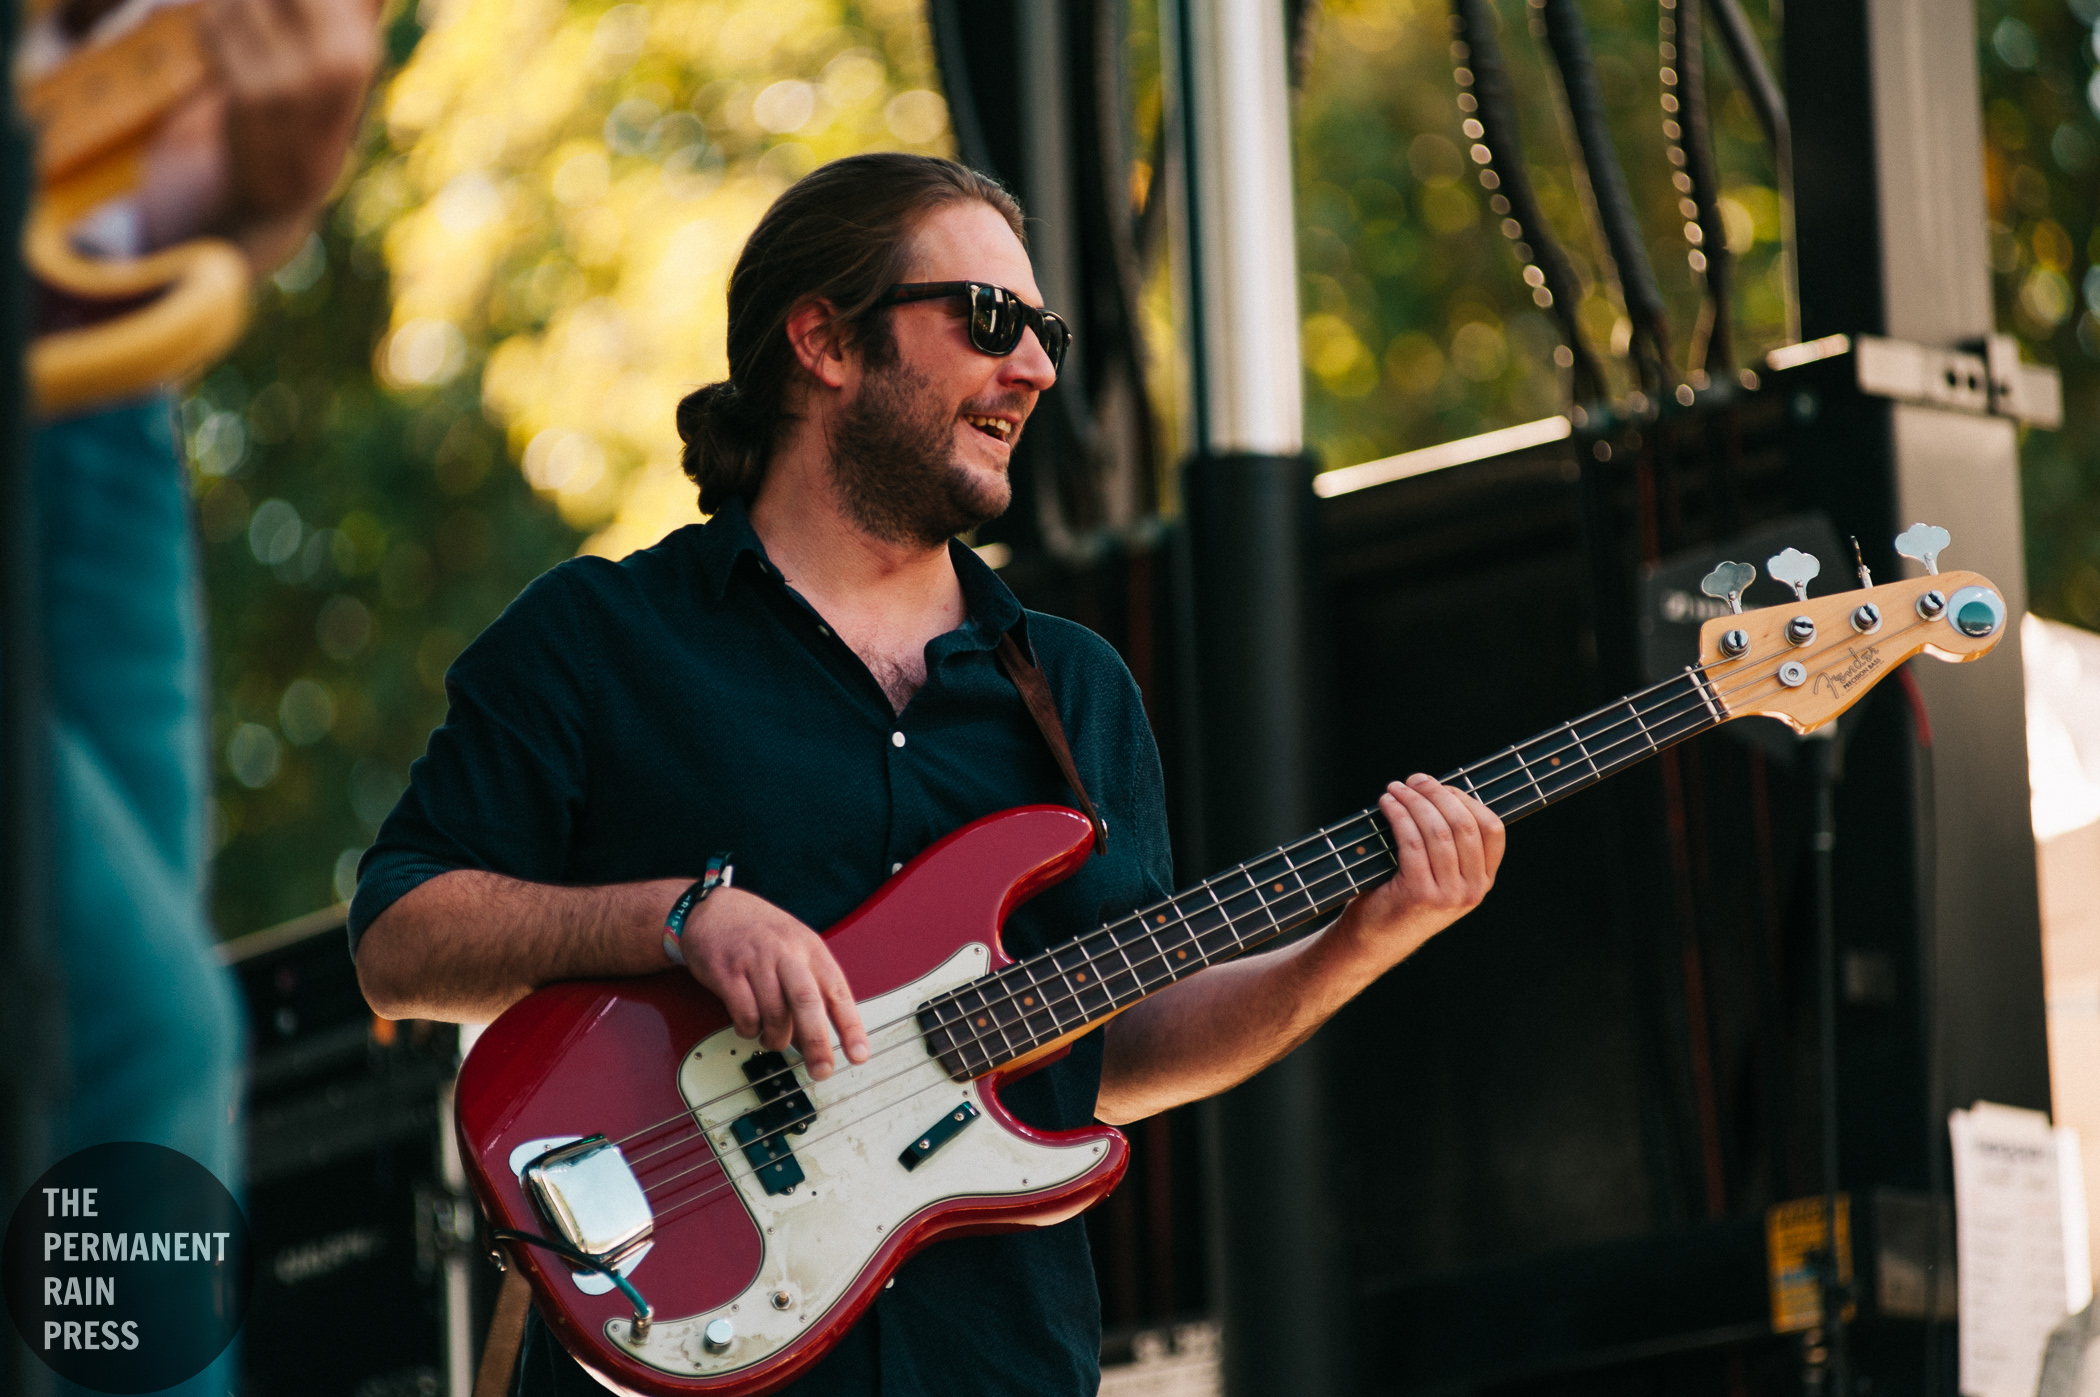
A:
{"points": [[622, 721]]}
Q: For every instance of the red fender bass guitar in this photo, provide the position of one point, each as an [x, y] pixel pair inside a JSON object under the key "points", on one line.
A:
{"points": [[696, 1216]]}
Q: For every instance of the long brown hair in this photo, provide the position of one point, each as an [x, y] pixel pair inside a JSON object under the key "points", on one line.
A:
{"points": [[842, 234]]}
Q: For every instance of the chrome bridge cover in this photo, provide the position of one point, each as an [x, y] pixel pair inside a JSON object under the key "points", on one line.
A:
{"points": [[590, 1194]]}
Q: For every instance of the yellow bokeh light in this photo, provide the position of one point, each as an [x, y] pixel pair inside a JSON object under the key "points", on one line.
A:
{"points": [[569, 187]]}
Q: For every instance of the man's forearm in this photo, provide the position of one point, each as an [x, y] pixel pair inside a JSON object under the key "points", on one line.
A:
{"points": [[466, 945], [1218, 1028]]}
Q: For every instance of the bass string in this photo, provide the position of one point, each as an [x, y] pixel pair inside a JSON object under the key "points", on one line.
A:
{"points": [[1689, 703], [730, 1178], [699, 1133], [1043, 958]]}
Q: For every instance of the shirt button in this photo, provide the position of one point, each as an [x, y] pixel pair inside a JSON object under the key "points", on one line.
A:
{"points": [[896, 739], [896, 868]]}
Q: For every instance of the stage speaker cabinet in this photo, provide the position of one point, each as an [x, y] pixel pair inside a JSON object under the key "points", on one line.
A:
{"points": [[368, 1279]]}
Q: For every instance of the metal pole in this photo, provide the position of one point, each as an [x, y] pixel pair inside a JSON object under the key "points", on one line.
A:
{"points": [[1825, 758], [1885, 108], [1282, 1294]]}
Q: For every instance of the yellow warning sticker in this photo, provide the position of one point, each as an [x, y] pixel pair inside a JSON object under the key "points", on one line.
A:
{"points": [[1796, 1235]]}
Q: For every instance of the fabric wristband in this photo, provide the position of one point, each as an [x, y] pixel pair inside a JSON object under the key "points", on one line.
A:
{"points": [[720, 873]]}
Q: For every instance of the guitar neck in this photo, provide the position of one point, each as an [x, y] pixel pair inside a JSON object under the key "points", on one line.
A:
{"points": [[1036, 1003]]}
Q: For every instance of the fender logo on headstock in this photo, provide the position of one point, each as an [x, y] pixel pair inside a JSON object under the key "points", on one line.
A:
{"points": [[1838, 683]]}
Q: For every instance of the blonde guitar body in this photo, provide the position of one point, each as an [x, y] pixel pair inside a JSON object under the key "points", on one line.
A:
{"points": [[94, 115]]}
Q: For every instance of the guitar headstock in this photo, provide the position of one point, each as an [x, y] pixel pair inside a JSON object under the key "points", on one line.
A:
{"points": [[1806, 661]]}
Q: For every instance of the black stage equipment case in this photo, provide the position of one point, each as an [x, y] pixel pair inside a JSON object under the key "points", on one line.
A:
{"points": [[368, 1280]]}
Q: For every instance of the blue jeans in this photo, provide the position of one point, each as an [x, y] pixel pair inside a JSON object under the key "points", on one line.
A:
{"points": [[154, 1025]]}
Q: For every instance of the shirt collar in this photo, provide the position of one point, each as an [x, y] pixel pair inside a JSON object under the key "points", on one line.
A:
{"points": [[726, 537], [989, 602]]}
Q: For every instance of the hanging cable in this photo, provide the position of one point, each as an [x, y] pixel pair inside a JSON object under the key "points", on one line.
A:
{"points": [[1747, 56], [951, 59], [1569, 42], [1491, 122], [1681, 46]]}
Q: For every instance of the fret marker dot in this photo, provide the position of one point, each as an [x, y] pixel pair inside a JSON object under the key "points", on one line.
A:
{"points": [[982, 1021], [1080, 976], [1279, 887], [1554, 760], [1181, 955], [1161, 919], [1028, 999], [1359, 848]]}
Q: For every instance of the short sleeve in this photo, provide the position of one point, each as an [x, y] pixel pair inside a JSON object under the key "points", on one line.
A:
{"points": [[501, 785]]}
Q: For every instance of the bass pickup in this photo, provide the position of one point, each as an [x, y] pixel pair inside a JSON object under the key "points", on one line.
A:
{"points": [[764, 1132]]}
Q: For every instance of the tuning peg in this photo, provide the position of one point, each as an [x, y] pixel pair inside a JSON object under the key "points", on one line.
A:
{"points": [[1728, 582], [1795, 568], [1925, 543], [1866, 578]]}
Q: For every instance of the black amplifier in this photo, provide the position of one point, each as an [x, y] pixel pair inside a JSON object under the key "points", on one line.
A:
{"points": [[368, 1280]]}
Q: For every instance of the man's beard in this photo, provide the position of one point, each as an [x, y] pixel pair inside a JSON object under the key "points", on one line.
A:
{"points": [[893, 459]]}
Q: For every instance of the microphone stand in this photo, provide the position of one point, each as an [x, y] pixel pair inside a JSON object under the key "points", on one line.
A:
{"points": [[1829, 1368]]}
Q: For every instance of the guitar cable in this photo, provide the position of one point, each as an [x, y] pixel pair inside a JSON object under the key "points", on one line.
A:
{"points": [[1560, 23], [1688, 137], [1490, 120], [644, 1312]]}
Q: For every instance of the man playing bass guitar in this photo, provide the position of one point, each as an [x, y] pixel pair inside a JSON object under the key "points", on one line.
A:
{"points": [[809, 684]]}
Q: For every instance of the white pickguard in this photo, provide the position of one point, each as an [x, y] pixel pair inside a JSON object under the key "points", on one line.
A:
{"points": [[821, 1237]]}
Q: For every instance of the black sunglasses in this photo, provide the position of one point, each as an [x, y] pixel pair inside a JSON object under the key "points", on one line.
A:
{"points": [[997, 316]]}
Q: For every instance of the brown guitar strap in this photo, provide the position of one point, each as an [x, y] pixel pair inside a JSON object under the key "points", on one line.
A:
{"points": [[1035, 694], [499, 1353]]}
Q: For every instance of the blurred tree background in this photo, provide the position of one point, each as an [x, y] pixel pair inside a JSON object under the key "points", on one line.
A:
{"points": [[469, 374]]}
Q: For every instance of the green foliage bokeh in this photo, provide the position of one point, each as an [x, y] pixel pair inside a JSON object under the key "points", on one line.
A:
{"points": [[354, 540]]}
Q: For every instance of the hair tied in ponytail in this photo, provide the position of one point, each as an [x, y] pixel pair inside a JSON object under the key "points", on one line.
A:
{"points": [[841, 234]]}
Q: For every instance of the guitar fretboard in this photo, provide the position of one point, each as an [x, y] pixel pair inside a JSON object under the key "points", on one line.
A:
{"points": [[1034, 1003]]}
